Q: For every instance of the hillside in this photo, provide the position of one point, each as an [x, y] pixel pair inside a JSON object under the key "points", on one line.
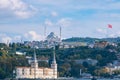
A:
{"points": [[69, 60], [91, 40]]}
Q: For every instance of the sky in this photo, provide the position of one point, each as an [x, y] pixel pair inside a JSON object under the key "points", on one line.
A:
{"points": [[27, 19]]}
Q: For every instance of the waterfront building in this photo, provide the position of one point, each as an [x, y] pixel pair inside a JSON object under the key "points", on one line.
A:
{"points": [[111, 68], [35, 72]]}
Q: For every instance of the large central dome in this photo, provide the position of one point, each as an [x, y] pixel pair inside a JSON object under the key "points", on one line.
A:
{"points": [[52, 37]]}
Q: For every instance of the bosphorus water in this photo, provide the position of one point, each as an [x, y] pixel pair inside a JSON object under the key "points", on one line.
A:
{"points": [[88, 79], [99, 79]]}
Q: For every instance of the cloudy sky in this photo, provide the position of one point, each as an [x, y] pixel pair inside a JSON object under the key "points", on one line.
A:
{"points": [[26, 19]]}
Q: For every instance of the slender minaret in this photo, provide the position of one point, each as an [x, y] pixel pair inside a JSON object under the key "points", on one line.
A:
{"points": [[45, 32], [54, 60], [35, 60], [54, 65], [35, 65]]}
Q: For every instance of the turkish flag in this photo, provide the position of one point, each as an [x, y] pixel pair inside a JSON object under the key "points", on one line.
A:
{"points": [[109, 26]]}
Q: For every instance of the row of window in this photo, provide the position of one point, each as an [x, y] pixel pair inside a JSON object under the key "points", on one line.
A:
{"points": [[31, 72]]}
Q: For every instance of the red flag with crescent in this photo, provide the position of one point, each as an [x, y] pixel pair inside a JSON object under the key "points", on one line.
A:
{"points": [[109, 26]]}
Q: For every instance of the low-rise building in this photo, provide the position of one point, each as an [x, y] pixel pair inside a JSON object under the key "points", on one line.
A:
{"points": [[113, 67]]}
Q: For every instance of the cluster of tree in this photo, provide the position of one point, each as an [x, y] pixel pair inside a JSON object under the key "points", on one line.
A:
{"points": [[91, 40], [67, 65], [9, 60]]}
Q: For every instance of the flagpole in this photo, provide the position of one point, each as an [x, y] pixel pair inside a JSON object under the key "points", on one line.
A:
{"points": [[106, 33]]}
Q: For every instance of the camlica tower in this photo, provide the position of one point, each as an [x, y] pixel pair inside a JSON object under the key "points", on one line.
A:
{"points": [[54, 65]]}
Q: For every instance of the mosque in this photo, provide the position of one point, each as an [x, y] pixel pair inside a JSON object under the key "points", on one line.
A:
{"points": [[35, 72]]}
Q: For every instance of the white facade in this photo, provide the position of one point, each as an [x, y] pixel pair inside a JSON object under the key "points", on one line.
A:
{"points": [[35, 72], [113, 67], [28, 72]]}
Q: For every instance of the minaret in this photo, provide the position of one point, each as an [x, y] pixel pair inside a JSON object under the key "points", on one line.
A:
{"points": [[54, 65], [45, 32], [34, 64]]}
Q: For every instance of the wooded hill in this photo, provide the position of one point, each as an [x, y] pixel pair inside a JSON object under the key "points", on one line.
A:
{"points": [[66, 59], [91, 40]]}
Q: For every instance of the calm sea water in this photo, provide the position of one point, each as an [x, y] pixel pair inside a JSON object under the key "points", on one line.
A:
{"points": [[90, 79]]}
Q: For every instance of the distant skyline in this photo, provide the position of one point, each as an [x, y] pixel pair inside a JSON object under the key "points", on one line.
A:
{"points": [[26, 19]]}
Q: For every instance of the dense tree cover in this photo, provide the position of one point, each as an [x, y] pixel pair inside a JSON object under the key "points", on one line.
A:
{"points": [[78, 39], [67, 65], [9, 61], [91, 40]]}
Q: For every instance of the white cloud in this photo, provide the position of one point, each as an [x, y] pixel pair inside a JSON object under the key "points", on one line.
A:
{"points": [[17, 8], [32, 35], [113, 35], [54, 14], [5, 3], [118, 33], [65, 22], [22, 14], [53, 2], [48, 23], [4, 38], [101, 31], [106, 33], [17, 38]]}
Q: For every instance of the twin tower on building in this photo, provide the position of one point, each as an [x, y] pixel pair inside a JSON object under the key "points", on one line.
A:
{"points": [[34, 71]]}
